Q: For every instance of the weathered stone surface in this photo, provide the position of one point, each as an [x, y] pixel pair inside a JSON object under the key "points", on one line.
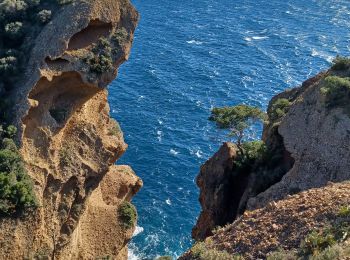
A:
{"points": [[71, 157]]}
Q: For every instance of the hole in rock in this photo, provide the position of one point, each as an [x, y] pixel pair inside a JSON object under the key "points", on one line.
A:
{"points": [[91, 34]]}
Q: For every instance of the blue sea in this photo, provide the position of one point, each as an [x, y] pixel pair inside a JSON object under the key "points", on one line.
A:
{"points": [[189, 56]]}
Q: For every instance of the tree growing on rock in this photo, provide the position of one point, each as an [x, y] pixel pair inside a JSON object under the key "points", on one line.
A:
{"points": [[237, 119]]}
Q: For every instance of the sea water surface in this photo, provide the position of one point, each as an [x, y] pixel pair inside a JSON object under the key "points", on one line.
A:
{"points": [[189, 56]]}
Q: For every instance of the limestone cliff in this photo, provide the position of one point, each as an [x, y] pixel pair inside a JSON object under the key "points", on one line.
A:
{"points": [[68, 141], [309, 140]]}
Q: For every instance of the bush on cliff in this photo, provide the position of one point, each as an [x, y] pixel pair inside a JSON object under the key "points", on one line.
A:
{"points": [[16, 188], [127, 214], [341, 63], [279, 109], [19, 19], [337, 92], [203, 252]]}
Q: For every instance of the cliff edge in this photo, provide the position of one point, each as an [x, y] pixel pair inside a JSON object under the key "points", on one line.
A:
{"points": [[307, 150], [67, 140]]}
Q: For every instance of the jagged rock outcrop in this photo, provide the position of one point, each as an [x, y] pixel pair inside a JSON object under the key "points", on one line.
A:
{"points": [[279, 225], [216, 187], [68, 141], [312, 141]]}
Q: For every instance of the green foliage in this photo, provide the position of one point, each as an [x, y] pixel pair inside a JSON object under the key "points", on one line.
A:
{"points": [[127, 214], [279, 109], [283, 255], [237, 119], [19, 19], [119, 38], [166, 257], [8, 65], [336, 91], [316, 242], [344, 211], [100, 58], [341, 63], [16, 191], [11, 131], [14, 30], [201, 251], [251, 153], [44, 16]]}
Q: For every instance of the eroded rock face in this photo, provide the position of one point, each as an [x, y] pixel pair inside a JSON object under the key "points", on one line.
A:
{"points": [[216, 187], [312, 143], [69, 142], [318, 140]]}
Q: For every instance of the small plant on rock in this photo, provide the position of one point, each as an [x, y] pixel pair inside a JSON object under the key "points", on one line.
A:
{"points": [[341, 63], [336, 91], [279, 109], [127, 214]]}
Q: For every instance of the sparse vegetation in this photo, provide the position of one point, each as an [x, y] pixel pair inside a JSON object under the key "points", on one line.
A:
{"points": [[100, 58], [19, 20], [341, 63], [115, 129], [279, 109], [65, 156], [344, 211], [102, 55], [337, 92], [127, 214], [166, 257], [202, 252], [324, 244]]}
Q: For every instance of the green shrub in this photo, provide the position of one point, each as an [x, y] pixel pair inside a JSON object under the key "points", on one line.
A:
{"points": [[279, 109], [336, 91], [202, 252], [316, 242], [14, 30], [9, 144], [283, 255], [341, 63], [11, 131], [344, 211], [44, 16], [100, 58], [127, 214], [166, 257], [119, 38], [12, 9], [8, 65]]}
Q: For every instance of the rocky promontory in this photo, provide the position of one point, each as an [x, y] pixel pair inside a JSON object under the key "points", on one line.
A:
{"points": [[293, 192], [76, 204]]}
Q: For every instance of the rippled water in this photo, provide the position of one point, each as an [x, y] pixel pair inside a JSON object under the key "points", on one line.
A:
{"points": [[189, 56]]}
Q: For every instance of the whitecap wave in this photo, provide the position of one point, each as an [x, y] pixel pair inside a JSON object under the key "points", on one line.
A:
{"points": [[159, 135], [138, 230], [194, 42], [168, 201], [322, 55], [174, 152], [257, 38]]}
